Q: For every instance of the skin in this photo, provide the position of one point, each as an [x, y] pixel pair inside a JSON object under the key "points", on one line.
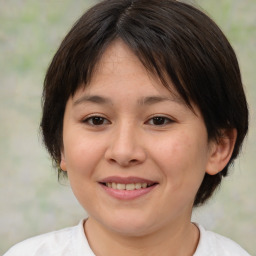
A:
{"points": [[126, 141]]}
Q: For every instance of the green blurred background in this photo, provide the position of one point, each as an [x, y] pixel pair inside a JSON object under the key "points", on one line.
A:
{"points": [[31, 199]]}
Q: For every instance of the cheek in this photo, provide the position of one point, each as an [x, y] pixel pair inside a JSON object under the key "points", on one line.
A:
{"points": [[83, 157], [182, 161], [82, 153]]}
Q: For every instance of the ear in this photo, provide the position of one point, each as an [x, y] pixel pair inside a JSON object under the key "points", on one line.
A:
{"points": [[221, 151], [63, 164]]}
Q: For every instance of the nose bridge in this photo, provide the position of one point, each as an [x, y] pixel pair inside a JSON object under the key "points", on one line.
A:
{"points": [[125, 138], [125, 148]]}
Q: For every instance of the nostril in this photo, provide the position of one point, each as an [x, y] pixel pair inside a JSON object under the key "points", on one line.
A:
{"points": [[123, 162], [112, 160]]}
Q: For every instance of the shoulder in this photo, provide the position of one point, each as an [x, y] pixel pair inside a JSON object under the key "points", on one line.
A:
{"points": [[213, 244], [50, 244]]}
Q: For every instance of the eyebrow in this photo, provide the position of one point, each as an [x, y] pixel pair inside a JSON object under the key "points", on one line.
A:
{"points": [[92, 98], [149, 100]]}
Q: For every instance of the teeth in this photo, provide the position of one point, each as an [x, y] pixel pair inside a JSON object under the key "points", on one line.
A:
{"points": [[131, 186], [120, 186], [144, 185], [138, 185]]}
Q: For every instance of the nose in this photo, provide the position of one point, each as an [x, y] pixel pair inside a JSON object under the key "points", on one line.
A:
{"points": [[125, 147]]}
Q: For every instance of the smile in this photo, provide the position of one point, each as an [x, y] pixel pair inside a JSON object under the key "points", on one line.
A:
{"points": [[127, 188], [131, 186]]}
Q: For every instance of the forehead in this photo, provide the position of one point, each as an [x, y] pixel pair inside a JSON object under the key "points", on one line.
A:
{"points": [[119, 74], [118, 58], [119, 65]]}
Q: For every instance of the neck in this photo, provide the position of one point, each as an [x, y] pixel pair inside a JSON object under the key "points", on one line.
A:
{"points": [[178, 240]]}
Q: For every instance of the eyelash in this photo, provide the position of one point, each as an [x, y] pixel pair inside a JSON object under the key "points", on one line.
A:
{"points": [[104, 121], [166, 120], [89, 120]]}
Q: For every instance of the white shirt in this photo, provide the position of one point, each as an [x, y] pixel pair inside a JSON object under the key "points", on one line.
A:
{"points": [[72, 242]]}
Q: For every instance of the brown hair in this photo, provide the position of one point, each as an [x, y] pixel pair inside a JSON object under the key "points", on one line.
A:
{"points": [[169, 37]]}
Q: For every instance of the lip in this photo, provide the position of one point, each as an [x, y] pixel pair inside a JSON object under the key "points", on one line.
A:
{"points": [[127, 180], [127, 194]]}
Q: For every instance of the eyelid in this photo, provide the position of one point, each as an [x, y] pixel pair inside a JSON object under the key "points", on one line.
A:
{"points": [[167, 118], [90, 117]]}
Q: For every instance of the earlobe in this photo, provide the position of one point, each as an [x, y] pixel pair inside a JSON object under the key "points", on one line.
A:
{"points": [[63, 165], [221, 151]]}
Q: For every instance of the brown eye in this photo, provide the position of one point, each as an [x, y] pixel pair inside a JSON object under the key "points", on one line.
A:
{"points": [[96, 120], [159, 121]]}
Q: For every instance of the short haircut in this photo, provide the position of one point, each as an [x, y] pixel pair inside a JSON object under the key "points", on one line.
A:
{"points": [[173, 40]]}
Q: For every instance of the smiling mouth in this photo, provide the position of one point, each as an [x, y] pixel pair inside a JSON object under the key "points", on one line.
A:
{"points": [[130, 186], [127, 188]]}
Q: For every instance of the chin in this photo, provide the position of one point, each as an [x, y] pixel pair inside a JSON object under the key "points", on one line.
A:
{"points": [[130, 225]]}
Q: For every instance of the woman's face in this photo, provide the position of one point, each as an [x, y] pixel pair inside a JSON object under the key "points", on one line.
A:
{"points": [[135, 153]]}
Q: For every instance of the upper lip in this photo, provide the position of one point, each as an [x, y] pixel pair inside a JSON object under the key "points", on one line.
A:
{"points": [[126, 180]]}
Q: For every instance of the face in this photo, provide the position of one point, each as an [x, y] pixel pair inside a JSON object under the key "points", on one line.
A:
{"points": [[135, 153]]}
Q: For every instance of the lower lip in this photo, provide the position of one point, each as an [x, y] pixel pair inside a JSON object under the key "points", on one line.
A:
{"points": [[127, 194]]}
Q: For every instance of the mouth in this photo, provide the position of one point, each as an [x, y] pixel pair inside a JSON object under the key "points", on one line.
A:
{"points": [[127, 188]]}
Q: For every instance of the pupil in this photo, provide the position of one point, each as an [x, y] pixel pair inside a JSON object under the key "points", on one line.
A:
{"points": [[97, 120], [158, 120]]}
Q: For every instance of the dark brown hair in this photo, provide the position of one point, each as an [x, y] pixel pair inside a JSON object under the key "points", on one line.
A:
{"points": [[170, 38]]}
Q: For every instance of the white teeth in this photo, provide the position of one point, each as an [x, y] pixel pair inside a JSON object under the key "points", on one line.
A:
{"points": [[144, 185], [138, 185], [131, 186], [120, 186]]}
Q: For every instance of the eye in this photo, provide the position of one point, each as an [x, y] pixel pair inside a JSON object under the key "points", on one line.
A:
{"points": [[96, 121], [159, 121]]}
